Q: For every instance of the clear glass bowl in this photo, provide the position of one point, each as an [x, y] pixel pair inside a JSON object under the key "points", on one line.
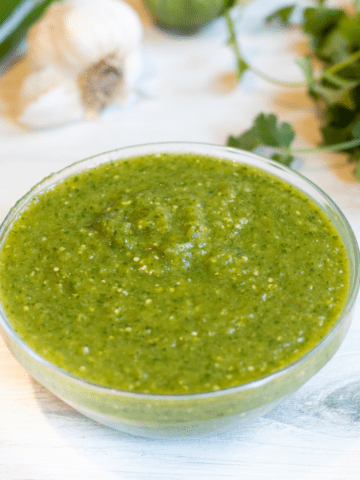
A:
{"points": [[166, 415]]}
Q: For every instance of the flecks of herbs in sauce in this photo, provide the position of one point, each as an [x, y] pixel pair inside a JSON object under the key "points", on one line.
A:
{"points": [[173, 274]]}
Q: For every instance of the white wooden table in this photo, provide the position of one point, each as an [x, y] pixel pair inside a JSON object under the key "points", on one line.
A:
{"points": [[186, 93]]}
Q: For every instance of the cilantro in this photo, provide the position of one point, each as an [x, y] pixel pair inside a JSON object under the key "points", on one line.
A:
{"points": [[307, 68], [282, 16], [334, 40], [266, 131], [356, 130], [241, 65], [319, 23]]}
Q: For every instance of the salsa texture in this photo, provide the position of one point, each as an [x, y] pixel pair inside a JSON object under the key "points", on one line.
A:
{"points": [[172, 274]]}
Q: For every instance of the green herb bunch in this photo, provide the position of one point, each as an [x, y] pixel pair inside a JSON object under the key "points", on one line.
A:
{"points": [[334, 40]]}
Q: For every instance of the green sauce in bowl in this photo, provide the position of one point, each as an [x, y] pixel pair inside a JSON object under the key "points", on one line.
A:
{"points": [[173, 273]]}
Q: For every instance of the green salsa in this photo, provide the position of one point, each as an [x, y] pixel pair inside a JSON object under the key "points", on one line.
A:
{"points": [[172, 274]]}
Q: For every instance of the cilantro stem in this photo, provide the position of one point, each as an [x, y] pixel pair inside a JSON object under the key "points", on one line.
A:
{"points": [[344, 63], [324, 148], [270, 79], [243, 65], [337, 147], [232, 41]]}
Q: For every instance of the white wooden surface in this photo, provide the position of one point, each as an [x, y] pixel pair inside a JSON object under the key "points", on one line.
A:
{"points": [[186, 93]]}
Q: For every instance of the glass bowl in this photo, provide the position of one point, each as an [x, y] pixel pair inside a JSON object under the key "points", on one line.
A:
{"points": [[187, 414]]}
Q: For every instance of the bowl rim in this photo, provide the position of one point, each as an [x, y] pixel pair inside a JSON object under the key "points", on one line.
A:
{"points": [[21, 204]]}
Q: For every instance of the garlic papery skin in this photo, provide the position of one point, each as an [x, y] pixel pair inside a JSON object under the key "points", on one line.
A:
{"points": [[82, 53], [49, 99], [74, 34]]}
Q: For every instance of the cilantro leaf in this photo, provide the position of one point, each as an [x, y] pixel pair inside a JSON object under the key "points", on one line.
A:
{"points": [[342, 125], [282, 15], [356, 130], [248, 140], [272, 133], [319, 22], [349, 27], [335, 47], [338, 124], [266, 131], [227, 4], [284, 158]]}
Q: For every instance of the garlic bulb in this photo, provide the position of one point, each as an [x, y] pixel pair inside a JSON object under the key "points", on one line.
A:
{"points": [[83, 55]]}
